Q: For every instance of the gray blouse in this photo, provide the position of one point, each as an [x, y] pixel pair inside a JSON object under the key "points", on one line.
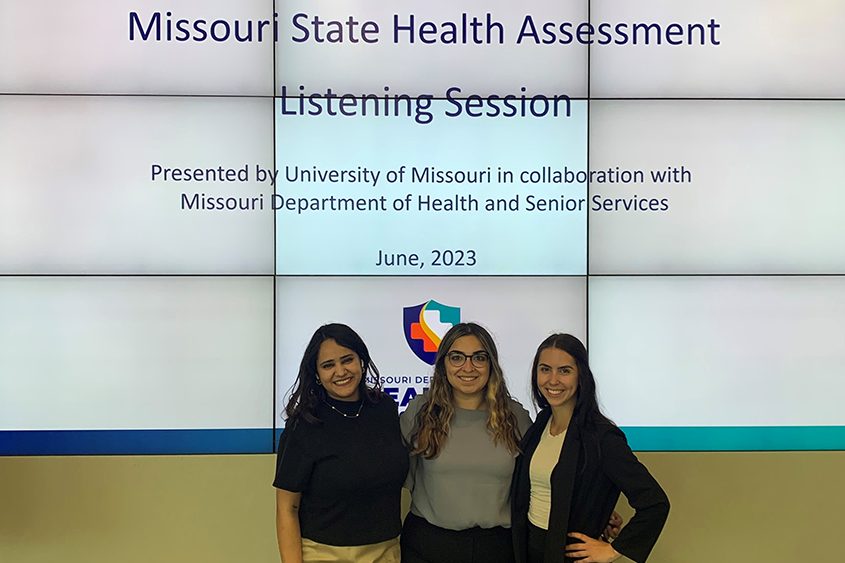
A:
{"points": [[468, 483]]}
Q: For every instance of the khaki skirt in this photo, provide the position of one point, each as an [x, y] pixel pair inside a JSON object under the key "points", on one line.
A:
{"points": [[382, 552]]}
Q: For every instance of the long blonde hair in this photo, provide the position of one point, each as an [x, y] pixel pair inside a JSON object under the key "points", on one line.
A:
{"points": [[435, 415]]}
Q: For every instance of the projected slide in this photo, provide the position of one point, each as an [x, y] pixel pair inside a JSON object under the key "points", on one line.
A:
{"points": [[188, 188]]}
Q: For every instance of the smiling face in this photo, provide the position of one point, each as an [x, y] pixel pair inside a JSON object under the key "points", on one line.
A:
{"points": [[557, 377], [339, 370], [467, 368]]}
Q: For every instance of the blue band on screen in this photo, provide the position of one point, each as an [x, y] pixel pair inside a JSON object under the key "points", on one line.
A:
{"points": [[136, 442]]}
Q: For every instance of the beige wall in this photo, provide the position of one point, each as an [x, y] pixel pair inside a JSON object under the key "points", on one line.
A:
{"points": [[743, 507]]}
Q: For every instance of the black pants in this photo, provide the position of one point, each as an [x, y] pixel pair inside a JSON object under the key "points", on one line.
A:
{"points": [[426, 543], [536, 543]]}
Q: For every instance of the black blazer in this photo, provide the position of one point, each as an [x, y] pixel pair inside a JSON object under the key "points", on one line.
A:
{"points": [[594, 466]]}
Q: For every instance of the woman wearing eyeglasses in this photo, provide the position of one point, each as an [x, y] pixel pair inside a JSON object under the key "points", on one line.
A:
{"points": [[463, 434]]}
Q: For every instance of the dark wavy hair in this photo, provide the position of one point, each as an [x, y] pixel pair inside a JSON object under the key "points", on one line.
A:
{"points": [[587, 412], [435, 415], [306, 395]]}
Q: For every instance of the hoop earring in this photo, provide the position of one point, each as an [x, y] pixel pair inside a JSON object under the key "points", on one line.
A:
{"points": [[317, 378]]}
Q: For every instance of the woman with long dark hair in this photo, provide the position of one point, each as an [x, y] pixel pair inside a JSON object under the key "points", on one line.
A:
{"points": [[341, 460], [463, 434], [573, 465]]}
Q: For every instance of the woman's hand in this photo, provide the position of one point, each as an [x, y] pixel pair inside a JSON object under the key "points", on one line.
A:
{"points": [[614, 525], [591, 550]]}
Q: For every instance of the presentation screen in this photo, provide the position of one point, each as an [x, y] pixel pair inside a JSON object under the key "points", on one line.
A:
{"points": [[188, 189]]}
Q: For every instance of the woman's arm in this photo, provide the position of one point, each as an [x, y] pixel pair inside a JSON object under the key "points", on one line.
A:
{"points": [[287, 526], [643, 493]]}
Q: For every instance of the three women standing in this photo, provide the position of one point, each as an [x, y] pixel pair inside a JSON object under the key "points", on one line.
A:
{"points": [[342, 461]]}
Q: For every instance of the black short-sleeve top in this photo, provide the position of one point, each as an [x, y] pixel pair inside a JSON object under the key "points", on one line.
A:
{"points": [[350, 471]]}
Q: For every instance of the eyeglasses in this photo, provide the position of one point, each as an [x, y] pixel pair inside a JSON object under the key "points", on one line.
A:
{"points": [[458, 359]]}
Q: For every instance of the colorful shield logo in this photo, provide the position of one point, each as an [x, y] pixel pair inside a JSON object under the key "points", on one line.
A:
{"points": [[425, 324]]}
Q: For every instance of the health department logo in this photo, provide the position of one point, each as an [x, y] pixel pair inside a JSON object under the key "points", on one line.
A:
{"points": [[425, 324]]}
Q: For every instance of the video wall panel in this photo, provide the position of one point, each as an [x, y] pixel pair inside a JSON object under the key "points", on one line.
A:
{"points": [[131, 185], [756, 355], [439, 49], [188, 189], [520, 312], [188, 47], [451, 192], [719, 49], [718, 187], [155, 358]]}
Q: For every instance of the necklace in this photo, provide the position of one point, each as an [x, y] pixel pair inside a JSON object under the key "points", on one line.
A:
{"points": [[343, 414]]}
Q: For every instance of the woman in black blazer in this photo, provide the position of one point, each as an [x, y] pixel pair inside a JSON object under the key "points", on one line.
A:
{"points": [[573, 465]]}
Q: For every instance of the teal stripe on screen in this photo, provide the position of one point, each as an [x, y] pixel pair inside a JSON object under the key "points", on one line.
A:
{"points": [[735, 438]]}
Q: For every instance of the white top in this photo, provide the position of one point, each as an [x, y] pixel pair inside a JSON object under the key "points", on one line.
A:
{"points": [[540, 471]]}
